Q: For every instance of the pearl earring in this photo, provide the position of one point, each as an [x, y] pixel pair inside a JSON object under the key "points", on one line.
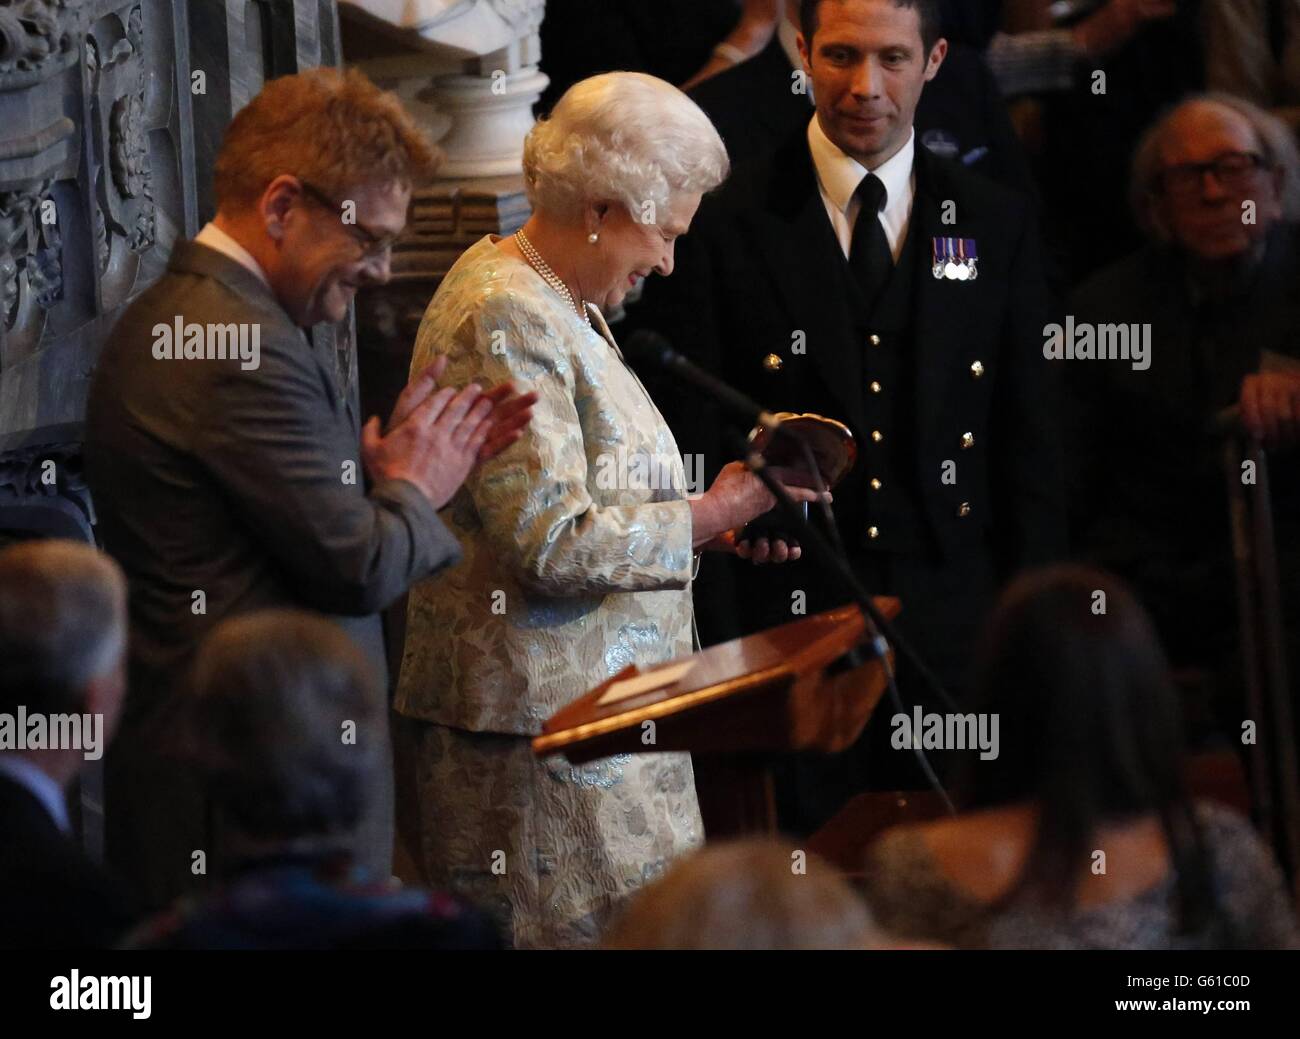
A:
{"points": [[593, 238]]}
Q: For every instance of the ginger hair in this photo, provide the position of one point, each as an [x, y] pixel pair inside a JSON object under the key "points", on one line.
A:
{"points": [[333, 128]]}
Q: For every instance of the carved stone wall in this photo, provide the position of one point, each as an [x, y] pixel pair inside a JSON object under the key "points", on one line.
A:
{"points": [[111, 113]]}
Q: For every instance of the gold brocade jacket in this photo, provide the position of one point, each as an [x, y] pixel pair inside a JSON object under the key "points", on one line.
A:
{"points": [[577, 539]]}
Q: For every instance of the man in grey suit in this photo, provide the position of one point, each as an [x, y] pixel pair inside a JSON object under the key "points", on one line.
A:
{"points": [[227, 466]]}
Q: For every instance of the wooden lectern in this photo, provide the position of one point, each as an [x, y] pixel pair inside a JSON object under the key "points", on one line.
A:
{"points": [[732, 706]]}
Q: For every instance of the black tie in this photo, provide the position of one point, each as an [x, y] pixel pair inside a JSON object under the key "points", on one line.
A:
{"points": [[870, 258]]}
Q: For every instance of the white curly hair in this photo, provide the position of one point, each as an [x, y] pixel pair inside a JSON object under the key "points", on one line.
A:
{"points": [[626, 137]]}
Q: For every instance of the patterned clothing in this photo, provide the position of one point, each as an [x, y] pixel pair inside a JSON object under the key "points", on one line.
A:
{"points": [[911, 898], [578, 556]]}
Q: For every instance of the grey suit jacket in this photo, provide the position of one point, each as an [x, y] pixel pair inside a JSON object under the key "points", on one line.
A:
{"points": [[222, 489]]}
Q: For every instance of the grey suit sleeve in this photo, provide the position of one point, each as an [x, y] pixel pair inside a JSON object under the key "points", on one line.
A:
{"points": [[291, 465]]}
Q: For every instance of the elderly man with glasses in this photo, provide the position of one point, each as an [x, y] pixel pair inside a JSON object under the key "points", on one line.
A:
{"points": [[227, 484], [1215, 186]]}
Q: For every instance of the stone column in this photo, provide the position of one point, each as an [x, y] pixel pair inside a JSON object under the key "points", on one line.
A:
{"points": [[467, 69]]}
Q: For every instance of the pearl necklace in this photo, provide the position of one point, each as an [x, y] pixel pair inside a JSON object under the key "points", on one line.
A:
{"points": [[549, 276]]}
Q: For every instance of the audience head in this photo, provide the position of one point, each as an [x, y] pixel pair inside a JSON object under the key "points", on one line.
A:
{"points": [[1091, 728], [1073, 667], [285, 724], [625, 157], [314, 177], [63, 634], [1213, 175], [867, 61], [749, 894]]}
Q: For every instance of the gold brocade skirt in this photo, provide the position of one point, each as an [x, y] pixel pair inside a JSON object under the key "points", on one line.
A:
{"points": [[548, 848]]}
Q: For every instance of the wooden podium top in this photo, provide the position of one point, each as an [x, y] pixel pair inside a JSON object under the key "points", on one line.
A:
{"points": [[765, 692]]}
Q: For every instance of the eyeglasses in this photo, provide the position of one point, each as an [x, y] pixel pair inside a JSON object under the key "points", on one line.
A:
{"points": [[372, 246], [1231, 169]]}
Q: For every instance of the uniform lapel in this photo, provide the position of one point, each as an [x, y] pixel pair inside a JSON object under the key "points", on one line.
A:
{"points": [[808, 269]]}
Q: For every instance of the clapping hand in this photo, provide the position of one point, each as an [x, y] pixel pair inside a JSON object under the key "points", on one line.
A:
{"points": [[436, 436], [511, 412]]}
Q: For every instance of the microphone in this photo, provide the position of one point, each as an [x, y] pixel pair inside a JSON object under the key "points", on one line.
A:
{"points": [[649, 348], [653, 350]]}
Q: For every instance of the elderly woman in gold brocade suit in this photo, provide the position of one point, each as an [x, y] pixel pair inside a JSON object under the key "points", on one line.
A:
{"points": [[570, 572]]}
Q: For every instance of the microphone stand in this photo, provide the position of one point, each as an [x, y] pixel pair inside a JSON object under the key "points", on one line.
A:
{"points": [[658, 352], [1273, 765], [880, 632], [833, 560]]}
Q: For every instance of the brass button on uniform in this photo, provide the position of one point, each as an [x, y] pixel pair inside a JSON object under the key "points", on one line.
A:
{"points": [[876, 484], [875, 386], [976, 370], [967, 440], [877, 436], [963, 510], [873, 533], [874, 340], [772, 363]]}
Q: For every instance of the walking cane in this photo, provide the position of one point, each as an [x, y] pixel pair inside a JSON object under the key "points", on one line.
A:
{"points": [[1274, 784]]}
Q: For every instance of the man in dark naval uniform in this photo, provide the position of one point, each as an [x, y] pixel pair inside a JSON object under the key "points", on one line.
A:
{"points": [[856, 275], [961, 115]]}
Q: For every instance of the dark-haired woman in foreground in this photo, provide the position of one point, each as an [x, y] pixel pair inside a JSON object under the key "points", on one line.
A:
{"points": [[1080, 834]]}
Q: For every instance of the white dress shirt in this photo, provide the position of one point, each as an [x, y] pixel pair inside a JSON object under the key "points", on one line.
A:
{"points": [[39, 785], [838, 177], [214, 238]]}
